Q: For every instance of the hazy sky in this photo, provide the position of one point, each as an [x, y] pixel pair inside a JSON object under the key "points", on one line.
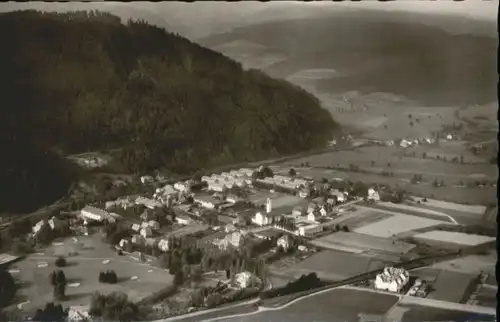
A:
{"points": [[479, 9], [199, 19]]}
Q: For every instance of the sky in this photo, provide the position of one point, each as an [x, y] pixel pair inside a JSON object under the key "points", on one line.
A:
{"points": [[199, 19]]}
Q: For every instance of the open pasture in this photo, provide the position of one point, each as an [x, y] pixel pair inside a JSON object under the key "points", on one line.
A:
{"points": [[135, 278], [334, 265], [440, 205], [390, 159], [395, 225], [454, 238], [361, 217], [414, 211], [448, 150], [362, 242]]}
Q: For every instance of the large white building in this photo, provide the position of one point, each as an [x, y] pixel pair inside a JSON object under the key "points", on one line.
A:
{"points": [[93, 213], [267, 217], [392, 279], [149, 203], [373, 195], [246, 279]]}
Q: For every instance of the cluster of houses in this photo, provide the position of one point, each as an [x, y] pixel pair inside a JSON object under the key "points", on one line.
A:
{"points": [[228, 180], [285, 182], [392, 279], [95, 214], [405, 143]]}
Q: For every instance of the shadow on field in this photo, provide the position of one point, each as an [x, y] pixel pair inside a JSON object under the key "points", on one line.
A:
{"points": [[71, 264]]}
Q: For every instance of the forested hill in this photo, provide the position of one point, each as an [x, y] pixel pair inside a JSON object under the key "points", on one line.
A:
{"points": [[84, 81]]}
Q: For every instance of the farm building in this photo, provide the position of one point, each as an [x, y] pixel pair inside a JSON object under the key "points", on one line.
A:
{"points": [[392, 279]]}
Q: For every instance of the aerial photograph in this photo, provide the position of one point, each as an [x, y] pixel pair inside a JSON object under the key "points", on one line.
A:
{"points": [[249, 161]]}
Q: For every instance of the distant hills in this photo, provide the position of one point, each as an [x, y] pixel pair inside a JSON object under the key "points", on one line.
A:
{"points": [[372, 52], [84, 81]]}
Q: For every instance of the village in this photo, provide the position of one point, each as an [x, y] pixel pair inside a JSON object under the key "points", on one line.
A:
{"points": [[228, 237]]}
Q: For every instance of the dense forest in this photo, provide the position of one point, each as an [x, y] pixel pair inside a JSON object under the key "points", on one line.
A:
{"points": [[84, 81]]}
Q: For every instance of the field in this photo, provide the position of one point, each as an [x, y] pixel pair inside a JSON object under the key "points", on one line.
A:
{"points": [[340, 304], [395, 225], [334, 265], [84, 269], [451, 286], [425, 313], [360, 218], [471, 264], [454, 238], [443, 205], [361, 243], [487, 296]]}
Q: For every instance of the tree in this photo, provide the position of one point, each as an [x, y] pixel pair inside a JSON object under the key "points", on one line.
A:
{"points": [[292, 172], [179, 278], [60, 262], [51, 313], [373, 163], [7, 288], [114, 307], [424, 155], [44, 235], [60, 291]]}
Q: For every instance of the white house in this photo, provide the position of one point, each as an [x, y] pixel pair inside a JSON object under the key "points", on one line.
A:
{"points": [[284, 241], [93, 213], [78, 313], [183, 220], [245, 279], [146, 232], [373, 195], [149, 203], [36, 228], [449, 137], [136, 227], [163, 245], [341, 196], [181, 186], [147, 179], [314, 216], [206, 201], [392, 279], [122, 243]]}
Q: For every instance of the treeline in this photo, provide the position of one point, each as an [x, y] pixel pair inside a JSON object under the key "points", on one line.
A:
{"points": [[303, 283], [84, 82]]}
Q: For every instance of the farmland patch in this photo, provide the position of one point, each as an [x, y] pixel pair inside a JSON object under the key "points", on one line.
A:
{"points": [[395, 225], [362, 242], [454, 237]]}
